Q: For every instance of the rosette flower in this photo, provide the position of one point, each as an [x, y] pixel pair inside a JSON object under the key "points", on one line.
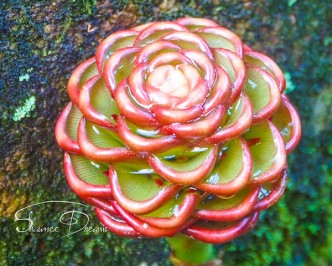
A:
{"points": [[178, 127]]}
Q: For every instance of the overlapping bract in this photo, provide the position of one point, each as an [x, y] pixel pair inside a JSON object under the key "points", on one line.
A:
{"points": [[178, 127]]}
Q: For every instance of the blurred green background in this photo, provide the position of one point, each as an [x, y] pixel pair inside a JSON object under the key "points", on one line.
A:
{"points": [[42, 41]]}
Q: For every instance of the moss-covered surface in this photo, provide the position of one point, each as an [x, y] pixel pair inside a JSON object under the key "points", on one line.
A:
{"points": [[42, 41]]}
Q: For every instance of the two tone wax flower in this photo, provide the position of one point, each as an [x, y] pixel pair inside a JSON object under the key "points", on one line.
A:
{"points": [[178, 127]]}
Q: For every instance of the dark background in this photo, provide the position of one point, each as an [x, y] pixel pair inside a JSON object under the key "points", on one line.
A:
{"points": [[41, 42]]}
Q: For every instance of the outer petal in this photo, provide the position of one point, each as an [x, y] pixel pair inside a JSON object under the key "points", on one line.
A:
{"points": [[81, 74], [266, 63], [141, 206], [196, 23], [156, 31], [231, 164], [215, 235], [287, 120], [263, 93], [86, 107], [111, 154], [220, 92], [143, 144], [278, 188], [168, 115], [189, 41], [187, 177], [154, 49], [63, 138], [130, 110], [180, 215], [238, 122], [198, 129], [80, 187], [114, 42], [119, 64], [232, 213], [115, 224], [142, 227], [273, 155], [235, 69], [219, 37]]}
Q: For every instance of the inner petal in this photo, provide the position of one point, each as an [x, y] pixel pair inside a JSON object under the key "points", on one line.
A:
{"points": [[170, 80]]}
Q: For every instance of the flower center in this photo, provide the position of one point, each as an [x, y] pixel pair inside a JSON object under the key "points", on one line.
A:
{"points": [[170, 80]]}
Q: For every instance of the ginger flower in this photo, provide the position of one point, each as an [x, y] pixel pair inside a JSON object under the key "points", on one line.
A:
{"points": [[178, 127]]}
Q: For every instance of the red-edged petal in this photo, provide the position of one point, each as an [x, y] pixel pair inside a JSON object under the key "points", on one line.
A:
{"points": [[169, 115], [240, 181], [189, 177], [224, 234], [234, 42], [239, 68], [233, 213], [204, 63], [80, 187], [168, 58], [142, 227], [196, 23], [81, 74], [115, 154], [115, 64], [61, 134], [237, 127], [247, 48], [274, 195], [156, 31], [183, 213], [130, 110], [116, 224], [266, 63], [278, 162], [197, 95], [189, 41], [142, 144], [87, 108], [136, 82], [261, 113], [291, 131], [142, 27], [103, 204], [142, 206], [220, 92], [198, 129], [154, 49], [114, 42]]}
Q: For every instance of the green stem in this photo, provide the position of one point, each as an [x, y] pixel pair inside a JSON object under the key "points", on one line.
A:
{"points": [[190, 251]]}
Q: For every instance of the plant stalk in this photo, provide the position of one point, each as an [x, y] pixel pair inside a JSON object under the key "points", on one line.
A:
{"points": [[187, 251]]}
